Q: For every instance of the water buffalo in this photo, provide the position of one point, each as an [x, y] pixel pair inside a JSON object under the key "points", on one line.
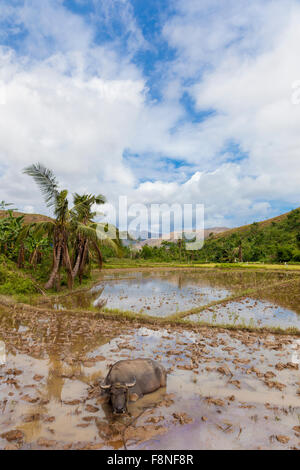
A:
{"points": [[141, 376]]}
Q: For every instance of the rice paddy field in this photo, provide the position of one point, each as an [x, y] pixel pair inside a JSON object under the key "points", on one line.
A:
{"points": [[229, 340]]}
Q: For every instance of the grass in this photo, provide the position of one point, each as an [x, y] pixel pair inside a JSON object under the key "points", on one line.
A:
{"points": [[126, 263], [15, 282]]}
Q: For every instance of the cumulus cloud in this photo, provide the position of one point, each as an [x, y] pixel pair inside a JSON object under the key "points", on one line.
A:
{"points": [[226, 193], [116, 17], [81, 106], [246, 53], [78, 126]]}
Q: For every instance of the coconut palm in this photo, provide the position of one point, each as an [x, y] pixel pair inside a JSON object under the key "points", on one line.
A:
{"points": [[58, 229], [84, 230], [72, 231]]}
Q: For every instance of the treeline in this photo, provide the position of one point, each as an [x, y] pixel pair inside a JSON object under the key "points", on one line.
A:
{"points": [[57, 251], [277, 242]]}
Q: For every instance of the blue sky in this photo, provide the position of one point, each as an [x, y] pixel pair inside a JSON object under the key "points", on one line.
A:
{"points": [[164, 101]]}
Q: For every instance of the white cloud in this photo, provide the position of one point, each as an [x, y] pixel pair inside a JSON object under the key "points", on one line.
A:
{"points": [[78, 126], [47, 26], [225, 192], [28, 209], [117, 16], [77, 106]]}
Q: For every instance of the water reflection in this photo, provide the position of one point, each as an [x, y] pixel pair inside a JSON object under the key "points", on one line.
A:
{"points": [[249, 312], [164, 293]]}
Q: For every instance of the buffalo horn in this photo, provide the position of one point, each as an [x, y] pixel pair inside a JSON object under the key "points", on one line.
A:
{"points": [[132, 384], [105, 387]]}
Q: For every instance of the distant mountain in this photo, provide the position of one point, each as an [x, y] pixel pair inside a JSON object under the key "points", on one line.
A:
{"points": [[177, 235], [135, 235]]}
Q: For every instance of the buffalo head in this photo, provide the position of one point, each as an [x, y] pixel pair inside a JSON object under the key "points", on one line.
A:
{"points": [[118, 395]]}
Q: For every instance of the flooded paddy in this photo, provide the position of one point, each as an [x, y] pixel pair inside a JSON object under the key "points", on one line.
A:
{"points": [[249, 312], [225, 389], [165, 293], [276, 306]]}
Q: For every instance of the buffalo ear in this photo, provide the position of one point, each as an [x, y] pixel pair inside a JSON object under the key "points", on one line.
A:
{"points": [[105, 387], [131, 384]]}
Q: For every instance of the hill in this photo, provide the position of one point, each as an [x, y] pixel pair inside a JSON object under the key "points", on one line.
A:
{"points": [[261, 225], [28, 218], [272, 240]]}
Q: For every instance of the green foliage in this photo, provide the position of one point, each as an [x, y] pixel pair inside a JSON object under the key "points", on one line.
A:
{"points": [[46, 181], [12, 281], [278, 242], [10, 228]]}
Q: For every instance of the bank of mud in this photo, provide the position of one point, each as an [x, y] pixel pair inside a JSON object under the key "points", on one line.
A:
{"points": [[226, 389]]}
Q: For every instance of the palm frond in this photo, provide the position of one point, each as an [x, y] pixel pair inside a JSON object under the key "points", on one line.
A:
{"points": [[41, 228], [107, 231], [61, 206], [24, 233], [109, 243], [100, 199], [46, 181], [87, 232], [83, 203]]}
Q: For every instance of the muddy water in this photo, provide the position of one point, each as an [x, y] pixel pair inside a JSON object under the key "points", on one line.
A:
{"points": [[249, 312], [164, 293], [276, 306], [225, 389]]}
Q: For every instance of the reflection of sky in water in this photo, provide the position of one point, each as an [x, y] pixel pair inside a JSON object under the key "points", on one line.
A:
{"points": [[250, 312], [158, 297]]}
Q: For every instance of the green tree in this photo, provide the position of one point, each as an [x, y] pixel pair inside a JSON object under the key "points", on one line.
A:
{"points": [[84, 233], [10, 228], [57, 230]]}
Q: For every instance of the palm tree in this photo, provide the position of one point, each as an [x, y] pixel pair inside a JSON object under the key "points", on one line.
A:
{"points": [[70, 228], [4, 206], [84, 230], [58, 229]]}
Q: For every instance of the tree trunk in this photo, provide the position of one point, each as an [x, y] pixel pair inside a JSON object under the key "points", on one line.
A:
{"points": [[21, 256], [57, 252], [57, 282], [39, 257], [100, 259], [83, 260], [78, 260], [33, 258], [68, 265]]}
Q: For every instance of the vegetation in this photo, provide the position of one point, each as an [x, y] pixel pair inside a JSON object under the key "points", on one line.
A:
{"points": [[12, 282], [277, 242], [10, 228], [72, 234], [58, 250]]}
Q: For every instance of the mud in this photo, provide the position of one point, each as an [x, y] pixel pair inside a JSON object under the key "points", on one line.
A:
{"points": [[226, 389]]}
